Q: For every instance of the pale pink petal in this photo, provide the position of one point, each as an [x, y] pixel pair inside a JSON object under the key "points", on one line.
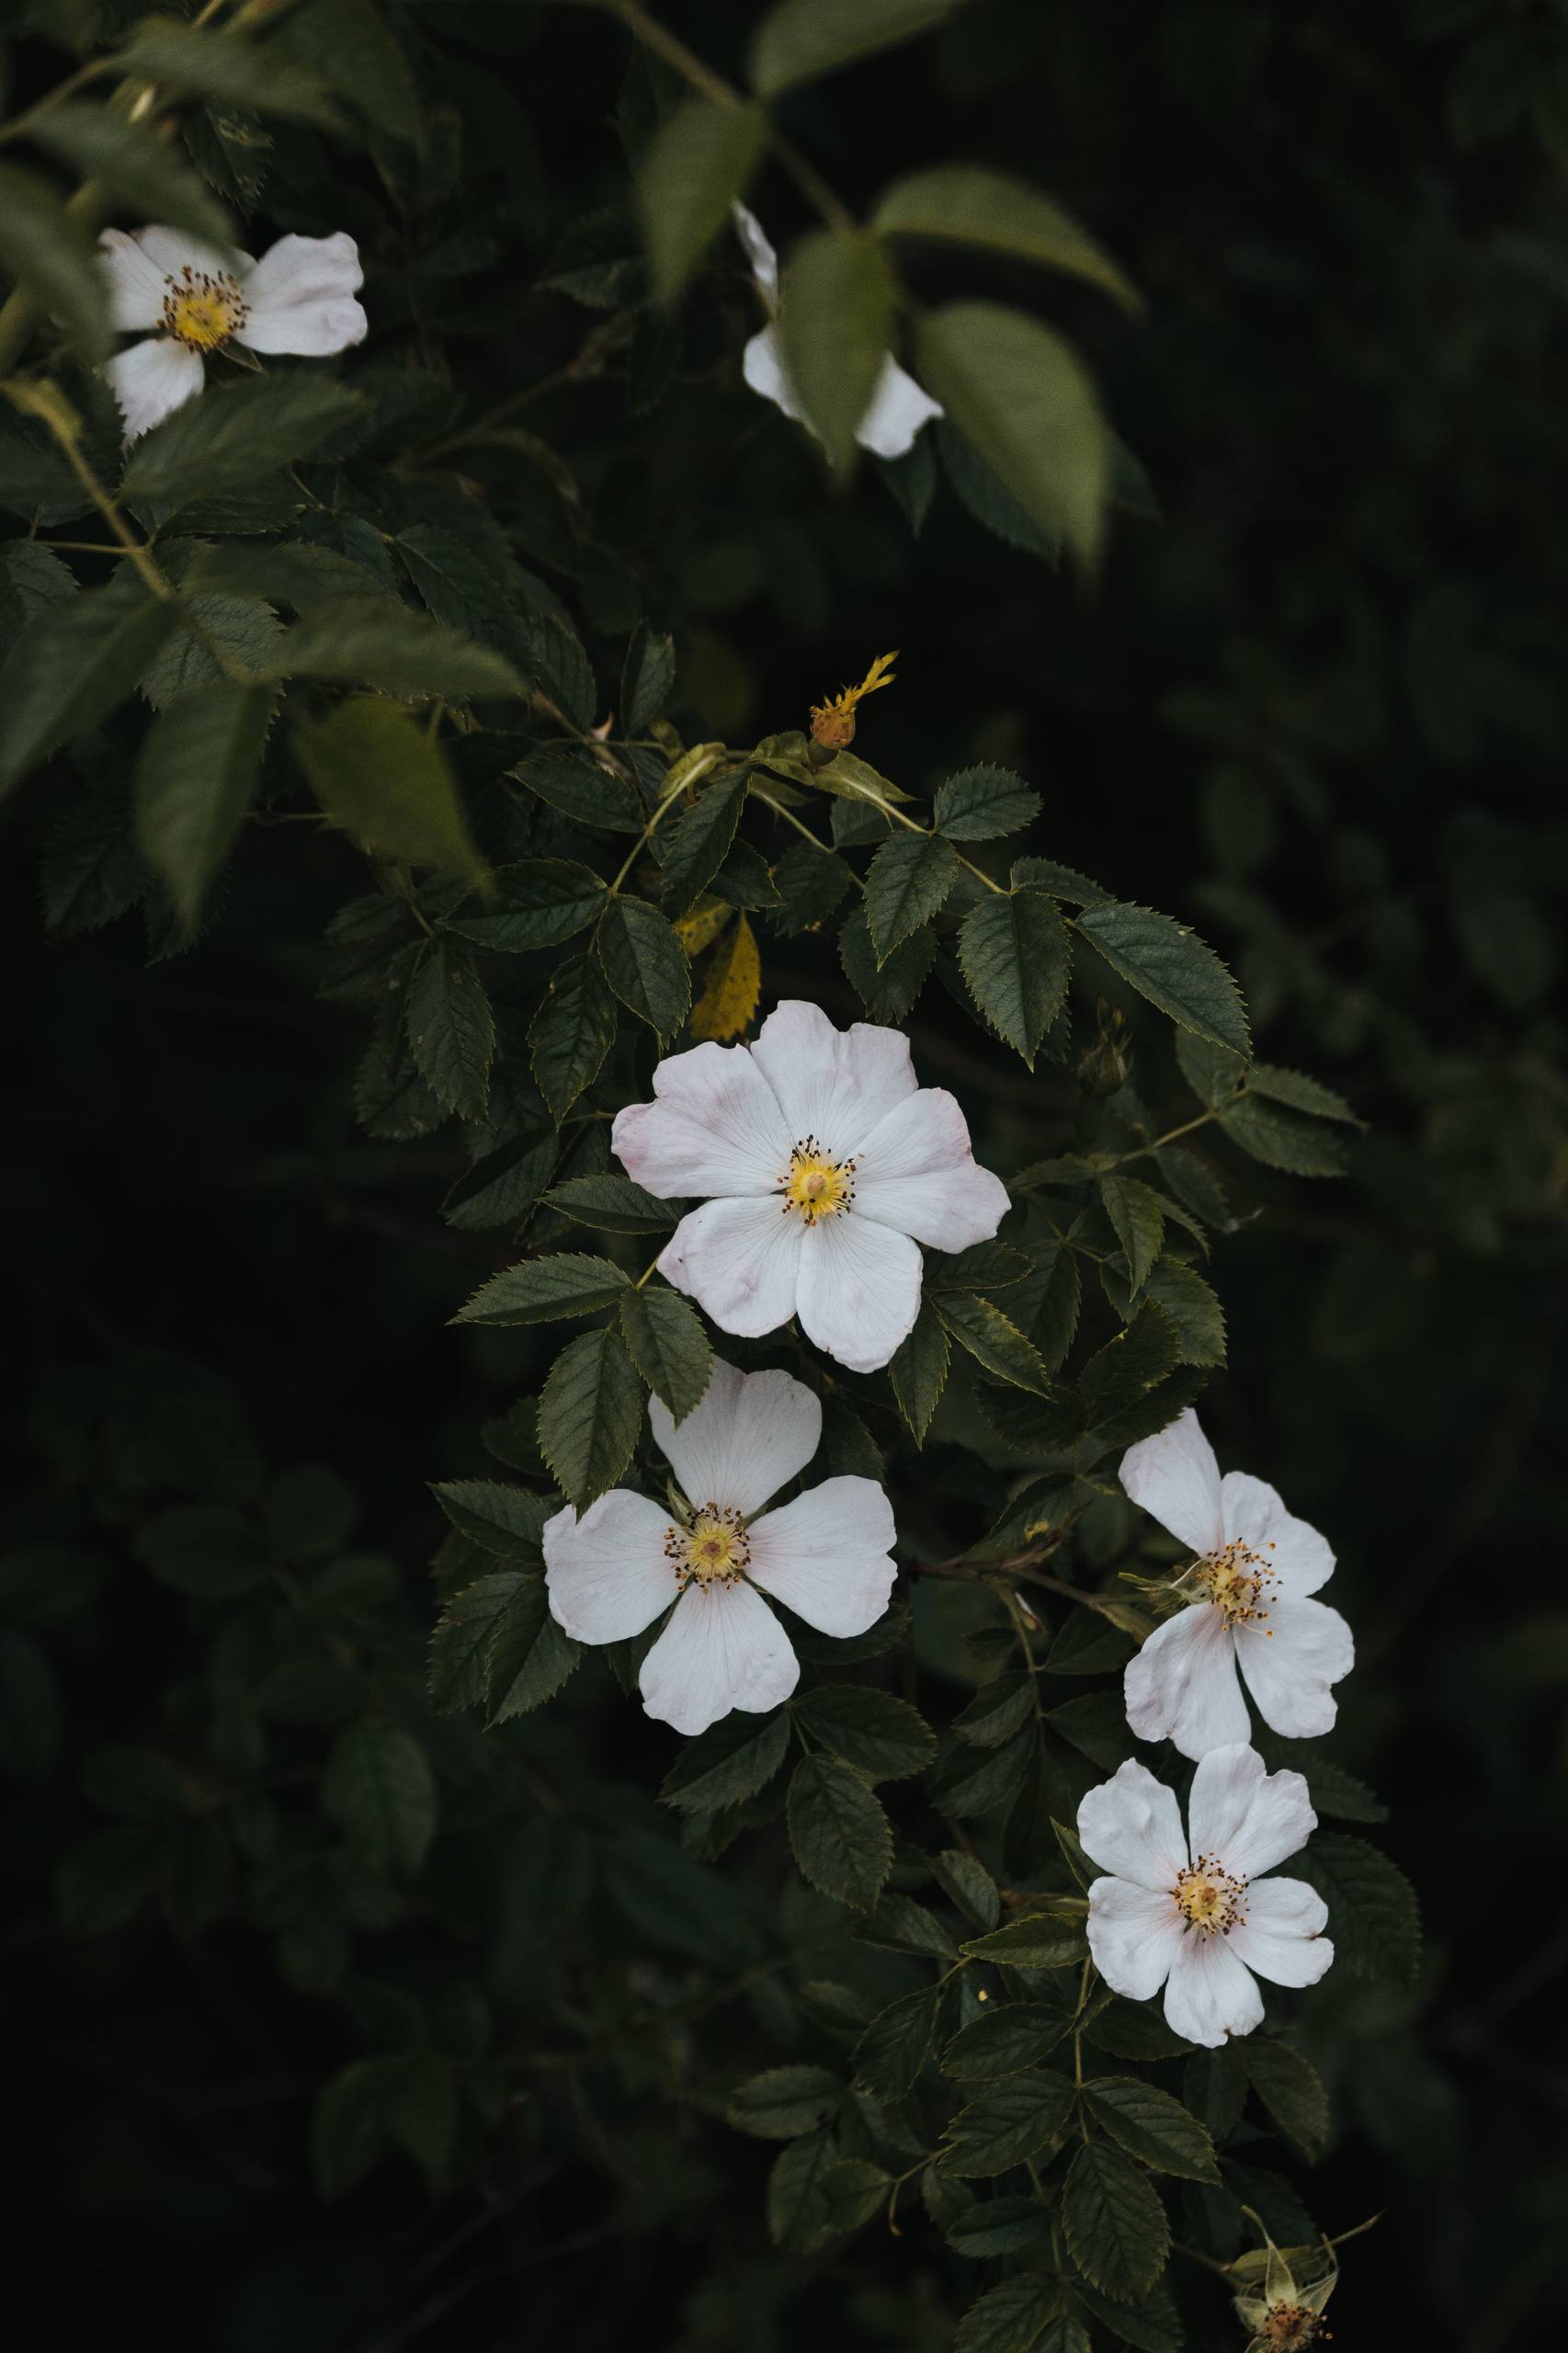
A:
{"points": [[858, 1289], [1131, 1825], [151, 380], [836, 1084], [1181, 1685], [1209, 1993], [1173, 1476], [917, 1173], [762, 366], [828, 1555], [1288, 1662], [759, 252], [1133, 1936], [899, 408], [607, 1573], [741, 1260], [1282, 1938], [715, 1127], [749, 1435], [300, 297], [723, 1648], [136, 286], [1248, 1818], [1256, 1517]]}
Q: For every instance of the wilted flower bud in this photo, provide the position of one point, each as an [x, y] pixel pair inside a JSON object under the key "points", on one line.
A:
{"points": [[833, 724], [1283, 2295], [1107, 1063]]}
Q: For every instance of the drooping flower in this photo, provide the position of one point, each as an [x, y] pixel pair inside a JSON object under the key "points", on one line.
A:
{"points": [[1200, 1919], [297, 298], [1248, 1605], [823, 1166], [614, 1569], [898, 407]]}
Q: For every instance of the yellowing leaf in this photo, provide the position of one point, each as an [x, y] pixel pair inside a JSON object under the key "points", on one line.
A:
{"points": [[733, 985], [702, 925]]}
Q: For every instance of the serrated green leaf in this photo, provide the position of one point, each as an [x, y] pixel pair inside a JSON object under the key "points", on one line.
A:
{"points": [[1007, 2041], [1373, 1915], [783, 2102], [147, 175], [1135, 1213], [1292, 2091], [700, 842], [644, 963], [195, 779], [568, 777], [385, 781], [1282, 1139], [799, 40], [568, 1282], [1039, 1940], [882, 1738], [1116, 2225], [451, 1031], [1014, 951], [668, 1345], [993, 1339], [1013, 2318], [460, 1647], [503, 1186], [536, 903], [695, 166], [233, 434], [613, 1204], [380, 1791], [998, 1709], [529, 1656], [980, 803], [70, 666], [1010, 2120], [500, 1518], [728, 1763], [1151, 2126], [891, 2052], [919, 1370], [888, 991], [835, 318], [1172, 967], [571, 1034], [909, 881], [589, 1415], [1019, 393], [840, 1836]]}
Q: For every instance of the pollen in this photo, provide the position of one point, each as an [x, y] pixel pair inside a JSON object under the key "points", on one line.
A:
{"points": [[203, 311], [833, 722], [1211, 1900], [815, 1185], [1290, 2327], [713, 1551], [1239, 1583]]}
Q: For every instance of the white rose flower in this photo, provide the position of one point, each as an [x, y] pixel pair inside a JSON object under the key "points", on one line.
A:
{"points": [[1248, 1605], [825, 1167], [826, 1555], [1199, 1918], [297, 298], [898, 407]]}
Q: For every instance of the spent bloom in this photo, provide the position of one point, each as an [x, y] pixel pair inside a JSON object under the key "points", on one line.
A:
{"points": [[297, 298], [823, 1166], [1281, 2303], [614, 1569], [1194, 1913], [1248, 1605], [833, 722], [898, 407]]}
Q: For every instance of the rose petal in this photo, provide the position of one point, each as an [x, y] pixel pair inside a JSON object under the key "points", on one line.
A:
{"points": [[1248, 1818], [1181, 1685], [1131, 1825], [1288, 1662], [741, 1260], [714, 1127], [152, 380], [827, 1556], [1282, 1937], [1255, 1516], [918, 1173], [834, 1085], [723, 1648], [1133, 1936], [750, 1434], [858, 1290], [1209, 1993], [899, 408], [607, 1573]]}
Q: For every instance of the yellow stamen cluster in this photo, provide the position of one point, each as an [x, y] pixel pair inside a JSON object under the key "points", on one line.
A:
{"points": [[1288, 2328], [815, 1184], [713, 1551], [202, 312], [1238, 1582], [1209, 1898], [833, 724]]}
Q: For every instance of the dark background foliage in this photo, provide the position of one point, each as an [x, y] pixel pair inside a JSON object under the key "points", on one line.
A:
{"points": [[1315, 704]]}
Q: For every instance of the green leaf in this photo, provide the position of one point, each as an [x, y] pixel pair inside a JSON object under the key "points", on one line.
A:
{"points": [[646, 680], [589, 1415], [537, 903], [501, 1186], [997, 1711], [571, 1034], [195, 779], [995, 2227], [700, 843], [233, 434], [51, 255], [728, 1763], [348, 45], [613, 1204], [644, 963], [1151, 2126], [567, 1283], [1015, 955], [401, 2098], [371, 641], [1135, 1211], [981, 802], [380, 1790], [695, 166], [668, 1345], [460, 1647], [783, 2102], [529, 1658], [1039, 1940], [70, 665], [500, 1518], [226, 68], [1009, 2318], [1010, 2120], [1171, 966], [835, 318], [919, 1369], [1116, 2225], [1121, 1374], [993, 1339], [891, 2052], [1181, 1293], [814, 2195], [1294, 1088], [149, 176], [569, 778], [384, 780], [887, 991], [451, 1031], [841, 1837], [1373, 1916], [967, 204], [1291, 2090], [1020, 395], [800, 40], [1283, 1139], [882, 1737], [1005, 2042], [909, 881]]}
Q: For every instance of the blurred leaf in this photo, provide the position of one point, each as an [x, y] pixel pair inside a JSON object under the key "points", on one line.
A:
{"points": [[782, 2102], [799, 40], [70, 665], [380, 1790], [384, 780], [195, 779], [970, 205], [51, 255], [835, 320], [1019, 394], [695, 166]]}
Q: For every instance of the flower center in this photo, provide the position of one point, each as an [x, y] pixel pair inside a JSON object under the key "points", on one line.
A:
{"points": [[1238, 1582], [816, 1184], [203, 312], [1209, 1899], [713, 1551], [1292, 2326]]}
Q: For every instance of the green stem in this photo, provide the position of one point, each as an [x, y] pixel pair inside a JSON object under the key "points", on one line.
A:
{"points": [[691, 778]]}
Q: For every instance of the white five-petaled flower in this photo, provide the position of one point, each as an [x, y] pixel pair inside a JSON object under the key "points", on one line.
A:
{"points": [[297, 298], [898, 407], [825, 1165], [1194, 1913], [1248, 1605], [825, 1555]]}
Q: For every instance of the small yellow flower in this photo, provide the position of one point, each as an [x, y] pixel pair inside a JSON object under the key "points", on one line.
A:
{"points": [[833, 724]]}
